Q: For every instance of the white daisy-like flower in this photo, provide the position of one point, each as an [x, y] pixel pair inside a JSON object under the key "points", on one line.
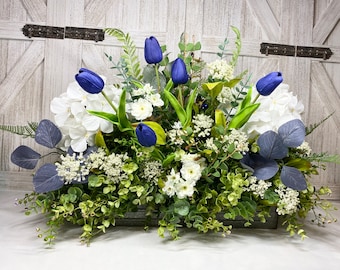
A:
{"points": [[141, 109], [184, 189], [191, 171], [155, 100]]}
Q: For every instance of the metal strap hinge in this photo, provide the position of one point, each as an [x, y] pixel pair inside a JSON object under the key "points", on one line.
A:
{"points": [[43, 31], [296, 51]]}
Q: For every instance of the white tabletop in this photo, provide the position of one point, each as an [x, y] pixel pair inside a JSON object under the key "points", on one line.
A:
{"points": [[133, 248]]}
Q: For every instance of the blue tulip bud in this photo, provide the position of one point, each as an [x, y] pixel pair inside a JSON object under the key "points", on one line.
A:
{"points": [[145, 135], [90, 81], [179, 74], [266, 85], [152, 51]]}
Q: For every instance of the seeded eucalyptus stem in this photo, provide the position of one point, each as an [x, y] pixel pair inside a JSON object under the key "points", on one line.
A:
{"points": [[109, 101]]}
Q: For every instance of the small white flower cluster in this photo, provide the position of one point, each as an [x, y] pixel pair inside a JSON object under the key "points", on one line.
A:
{"points": [[225, 96], [176, 133], [305, 149], [142, 107], [220, 70], [202, 125], [258, 187], [276, 109], [238, 138], [182, 183], [77, 167], [72, 168], [113, 167], [151, 170], [72, 117], [289, 200]]}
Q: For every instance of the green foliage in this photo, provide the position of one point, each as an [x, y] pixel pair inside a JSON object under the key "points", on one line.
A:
{"points": [[129, 52], [24, 131]]}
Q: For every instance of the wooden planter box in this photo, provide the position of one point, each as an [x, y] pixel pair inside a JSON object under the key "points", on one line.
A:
{"points": [[138, 219]]}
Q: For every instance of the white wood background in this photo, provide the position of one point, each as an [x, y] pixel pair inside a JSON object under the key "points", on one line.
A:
{"points": [[33, 71]]}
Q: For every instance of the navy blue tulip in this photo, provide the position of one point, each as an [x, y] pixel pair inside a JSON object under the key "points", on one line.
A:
{"points": [[266, 85], [88, 80], [179, 74], [145, 135], [152, 51]]}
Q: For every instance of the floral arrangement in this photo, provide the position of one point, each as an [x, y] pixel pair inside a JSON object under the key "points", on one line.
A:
{"points": [[184, 140]]}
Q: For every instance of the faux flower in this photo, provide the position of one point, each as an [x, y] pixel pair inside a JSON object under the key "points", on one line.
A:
{"points": [[152, 51], [145, 135], [141, 109], [90, 81], [179, 72], [266, 85]]}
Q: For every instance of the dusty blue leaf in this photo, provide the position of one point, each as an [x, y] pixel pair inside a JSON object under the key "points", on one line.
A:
{"points": [[293, 178], [261, 167], [25, 157], [47, 134], [271, 146], [292, 133], [47, 179]]}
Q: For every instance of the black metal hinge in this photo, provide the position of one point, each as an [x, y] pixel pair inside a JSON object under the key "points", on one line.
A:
{"points": [[297, 51], [43, 31]]}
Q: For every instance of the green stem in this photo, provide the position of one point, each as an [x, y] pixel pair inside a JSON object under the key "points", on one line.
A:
{"points": [[257, 96], [109, 101], [180, 95], [157, 78]]}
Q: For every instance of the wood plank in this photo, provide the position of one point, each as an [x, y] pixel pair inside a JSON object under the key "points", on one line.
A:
{"points": [[36, 9], [12, 30], [94, 11], [265, 18], [327, 21], [17, 77], [321, 81]]}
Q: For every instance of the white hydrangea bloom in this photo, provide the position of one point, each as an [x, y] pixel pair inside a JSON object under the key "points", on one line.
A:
{"points": [[220, 70], [72, 117], [276, 109]]}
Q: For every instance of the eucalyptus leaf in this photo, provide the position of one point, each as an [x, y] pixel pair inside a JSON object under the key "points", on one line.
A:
{"points": [[25, 157], [261, 167], [47, 134], [292, 133], [293, 178], [47, 179], [271, 145]]}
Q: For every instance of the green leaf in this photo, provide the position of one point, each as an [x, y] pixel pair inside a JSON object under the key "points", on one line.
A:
{"points": [[181, 114], [104, 115], [100, 142], [182, 207], [124, 123], [213, 89], [238, 44], [243, 116], [188, 109]]}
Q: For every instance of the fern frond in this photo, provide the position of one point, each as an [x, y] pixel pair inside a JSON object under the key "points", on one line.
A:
{"points": [[24, 131], [238, 44], [324, 158], [129, 48], [312, 127]]}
